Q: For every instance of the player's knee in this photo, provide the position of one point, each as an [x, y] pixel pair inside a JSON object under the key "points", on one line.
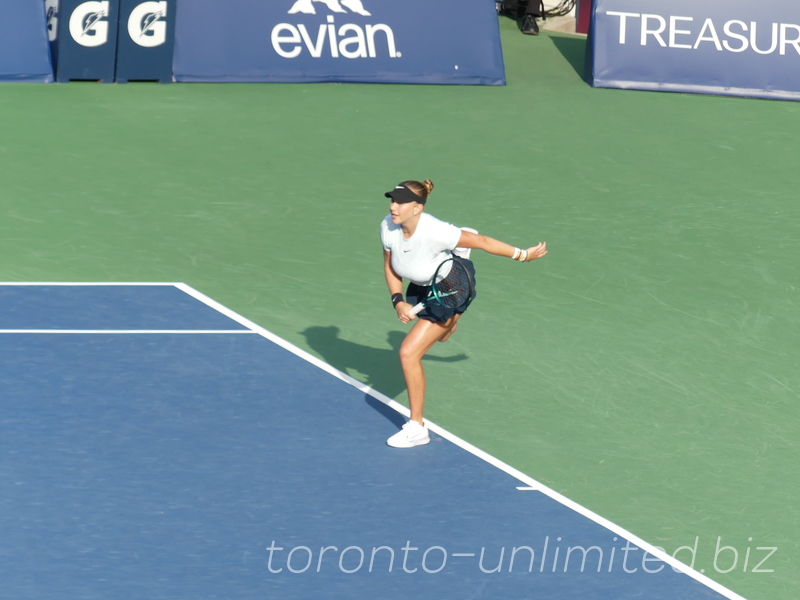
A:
{"points": [[409, 354], [405, 354]]}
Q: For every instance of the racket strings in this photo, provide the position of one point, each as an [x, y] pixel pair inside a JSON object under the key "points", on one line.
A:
{"points": [[455, 289]]}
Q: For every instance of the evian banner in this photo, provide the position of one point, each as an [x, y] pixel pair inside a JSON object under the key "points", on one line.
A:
{"points": [[384, 41], [735, 47]]}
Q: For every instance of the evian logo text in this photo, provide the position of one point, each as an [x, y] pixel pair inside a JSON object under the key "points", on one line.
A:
{"points": [[348, 40], [307, 6]]}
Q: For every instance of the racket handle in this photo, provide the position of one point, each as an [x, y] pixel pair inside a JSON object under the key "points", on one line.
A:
{"points": [[416, 309]]}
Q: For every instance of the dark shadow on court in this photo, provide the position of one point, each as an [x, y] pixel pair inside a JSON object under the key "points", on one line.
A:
{"points": [[388, 413], [574, 50], [379, 368]]}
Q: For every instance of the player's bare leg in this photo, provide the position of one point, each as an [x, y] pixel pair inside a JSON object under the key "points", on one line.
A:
{"points": [[451, 329], [423, 335]]}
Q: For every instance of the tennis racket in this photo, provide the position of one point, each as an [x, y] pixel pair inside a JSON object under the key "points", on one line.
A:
{"points": [[452, 287]]}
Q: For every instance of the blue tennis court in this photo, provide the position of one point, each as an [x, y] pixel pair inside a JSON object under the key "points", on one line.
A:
{"points": [[156, 445]]}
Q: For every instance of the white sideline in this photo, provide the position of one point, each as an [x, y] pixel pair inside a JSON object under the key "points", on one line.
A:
{"points": [[130, 331]]}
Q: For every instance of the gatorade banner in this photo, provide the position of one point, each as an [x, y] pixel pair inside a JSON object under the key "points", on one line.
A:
{"points": [[85, 39], [24, 49], [736, 47], [385, 41], [145, 40]]}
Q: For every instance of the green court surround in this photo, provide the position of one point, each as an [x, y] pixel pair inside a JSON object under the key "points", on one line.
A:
{"points": [[647, 368]]}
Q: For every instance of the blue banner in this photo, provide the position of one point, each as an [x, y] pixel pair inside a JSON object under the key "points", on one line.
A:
{"points": [[385, 41], [24, 49], [145, 40], [736, 47], [86, 40]]}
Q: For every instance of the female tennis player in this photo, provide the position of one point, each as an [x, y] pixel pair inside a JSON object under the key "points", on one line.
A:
{"points": [[415, 243]]}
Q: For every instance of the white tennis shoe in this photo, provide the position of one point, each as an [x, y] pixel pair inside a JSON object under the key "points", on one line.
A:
{"points": [[412, 434], [464, 252]]}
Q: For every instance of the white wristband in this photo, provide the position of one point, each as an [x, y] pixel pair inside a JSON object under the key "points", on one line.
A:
{"points": [[517, 252], [523, 257]]}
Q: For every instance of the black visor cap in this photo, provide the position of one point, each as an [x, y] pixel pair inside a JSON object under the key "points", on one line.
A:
{"points": [[402, 195]]}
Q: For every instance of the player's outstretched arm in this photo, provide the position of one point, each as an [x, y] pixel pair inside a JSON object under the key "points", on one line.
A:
{"points": [[498, 248], [534, 252]]}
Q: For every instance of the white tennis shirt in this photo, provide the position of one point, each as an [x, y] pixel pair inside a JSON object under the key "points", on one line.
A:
{"points": [[417, 257]]}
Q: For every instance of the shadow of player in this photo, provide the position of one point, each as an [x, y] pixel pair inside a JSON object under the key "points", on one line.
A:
{"points": [[379, 368]]}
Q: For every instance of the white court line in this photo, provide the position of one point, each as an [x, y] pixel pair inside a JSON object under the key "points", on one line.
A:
{"points": [[112, 331], [129, 331], [531, 484], [85, 284]]}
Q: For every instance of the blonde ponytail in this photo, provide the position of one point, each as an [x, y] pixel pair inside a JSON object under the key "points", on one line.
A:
{"points": [[421, 189]]}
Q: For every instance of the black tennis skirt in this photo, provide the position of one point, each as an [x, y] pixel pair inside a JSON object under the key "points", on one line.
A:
{"points": [[436, 312]]}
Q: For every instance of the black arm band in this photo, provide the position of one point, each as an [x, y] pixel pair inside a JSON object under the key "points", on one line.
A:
{"points": [[396, 299]]}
